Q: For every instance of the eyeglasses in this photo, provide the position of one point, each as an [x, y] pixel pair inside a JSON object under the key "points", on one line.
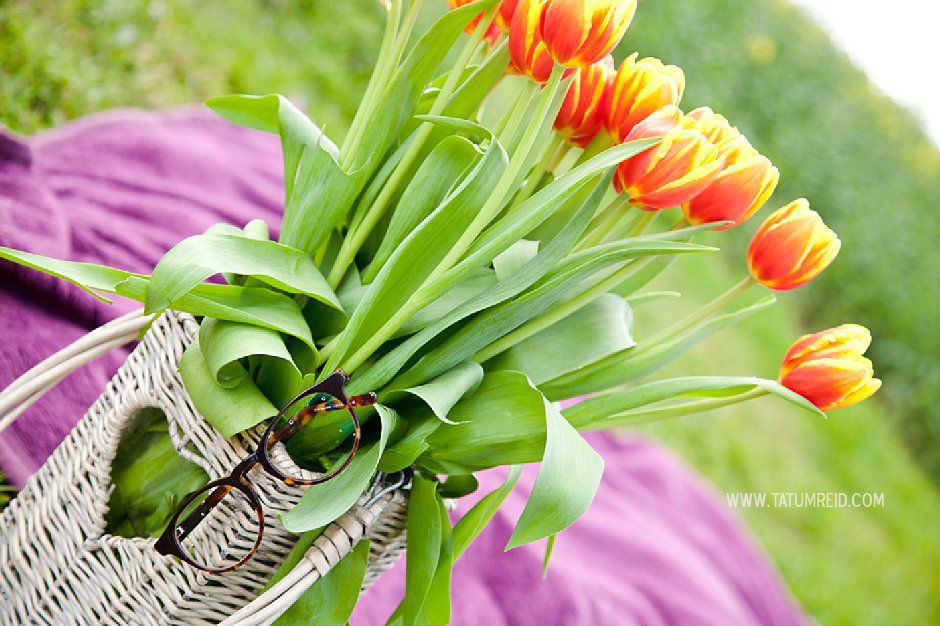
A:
{"points": [[235, 495]]}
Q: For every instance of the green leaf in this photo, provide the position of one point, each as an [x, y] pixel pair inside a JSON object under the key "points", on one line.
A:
{"points": [[92, 278], [225, 343], [294, 557], [565, 282], [442, 393], [423, 548], [600, 328], [514, 258], [614, 408], [438, 174], [502, 423], [396, 105], [436, 608], [323, 503], [330, 600], [565, 486], [465, 291], [412, 444], [419, 254], [389, 365], [250, 305], [625, 365], [197, 258], [229, 410], [459, 485], [549, 547], [475, 520]]}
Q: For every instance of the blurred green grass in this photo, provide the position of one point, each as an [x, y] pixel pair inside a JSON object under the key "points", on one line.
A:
{"points": [[774, 74]]}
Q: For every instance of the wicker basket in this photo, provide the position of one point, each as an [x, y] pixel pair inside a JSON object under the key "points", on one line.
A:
{"points": [[57, 565]]}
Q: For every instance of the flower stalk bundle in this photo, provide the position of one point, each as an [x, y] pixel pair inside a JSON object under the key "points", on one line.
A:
{"points": [[475, 262]]}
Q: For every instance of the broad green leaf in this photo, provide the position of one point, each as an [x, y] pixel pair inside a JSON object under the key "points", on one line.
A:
{"points": [[437, 175], [436, 608], [412, 444], [423, 548], [459, 485], [420, 253], [610, 409], [225, 343], [514, 258], [250, 305], [229, 410], [625, 365], [565, 486], [502, 423], [318, 191], [568, 280], [330, 600], [475, 520], [600, 328], [550, 253], [92, 278], [442, 393], [197, 258], [323, 503], [465, 291]]}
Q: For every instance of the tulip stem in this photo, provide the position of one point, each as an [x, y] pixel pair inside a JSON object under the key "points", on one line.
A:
{"points": [[603, 223], [380, 76], [705, 312], [565, 309], [647, 414], [357, 236], [556, 150], [548, 106]]}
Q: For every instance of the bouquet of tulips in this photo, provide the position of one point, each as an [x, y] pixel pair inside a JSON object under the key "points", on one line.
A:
{"points": [[471, 253]]}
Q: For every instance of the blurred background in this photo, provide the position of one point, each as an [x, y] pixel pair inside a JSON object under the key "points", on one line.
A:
{"points": [[863, 160]]}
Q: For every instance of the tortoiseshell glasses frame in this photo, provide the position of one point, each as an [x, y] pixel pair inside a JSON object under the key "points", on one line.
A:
{"points": [[169, 543]]}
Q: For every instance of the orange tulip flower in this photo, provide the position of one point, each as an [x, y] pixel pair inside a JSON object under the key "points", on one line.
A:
{"points": [[527, 52], [578, 33], [791, 247], [742, 187], [582, 112], [640, 88], [492, 33], [504, 15], [828, 369], [672, 172]]}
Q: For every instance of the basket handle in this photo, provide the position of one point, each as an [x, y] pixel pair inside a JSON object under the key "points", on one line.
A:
{"points": [[33, 384]]}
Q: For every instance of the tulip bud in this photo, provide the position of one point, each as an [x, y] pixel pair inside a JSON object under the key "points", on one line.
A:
{"points": [[578, 33], [743, 186], [672, 172], [527, 52], [582, 112], [639, 89], [492, 33], [828, 369], [791, 247], [504, 15]]}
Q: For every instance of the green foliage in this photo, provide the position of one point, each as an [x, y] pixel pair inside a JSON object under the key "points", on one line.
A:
{"points": [[149, 477]]}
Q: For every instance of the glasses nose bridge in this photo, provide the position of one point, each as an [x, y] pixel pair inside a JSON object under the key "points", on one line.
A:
{"points": [[240, 472]]}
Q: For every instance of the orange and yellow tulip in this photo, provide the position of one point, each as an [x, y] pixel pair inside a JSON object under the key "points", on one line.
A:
{"points": [[672, 172], [492, 33], [640, 88], [578, 33], [828, 369], [743, 186], [527, 52], [582, 111], [504, 15], [791, 247]]}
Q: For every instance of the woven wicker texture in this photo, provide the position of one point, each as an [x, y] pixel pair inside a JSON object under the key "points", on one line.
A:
{"points": [[57, 565]]}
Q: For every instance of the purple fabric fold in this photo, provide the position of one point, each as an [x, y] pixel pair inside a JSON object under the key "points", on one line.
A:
{"points": [[657, 546]]}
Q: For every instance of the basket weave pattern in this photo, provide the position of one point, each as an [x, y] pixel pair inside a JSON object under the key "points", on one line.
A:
{"points": [[57, 565]]}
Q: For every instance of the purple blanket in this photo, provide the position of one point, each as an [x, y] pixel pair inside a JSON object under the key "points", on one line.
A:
{"points": [[658, 546]]}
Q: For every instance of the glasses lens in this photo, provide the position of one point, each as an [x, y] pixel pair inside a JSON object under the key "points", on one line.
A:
{"points": [[305, 451], [228, 532]]}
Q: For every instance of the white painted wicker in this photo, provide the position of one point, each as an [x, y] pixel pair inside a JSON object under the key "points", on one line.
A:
{"points": [[57, 565]]}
